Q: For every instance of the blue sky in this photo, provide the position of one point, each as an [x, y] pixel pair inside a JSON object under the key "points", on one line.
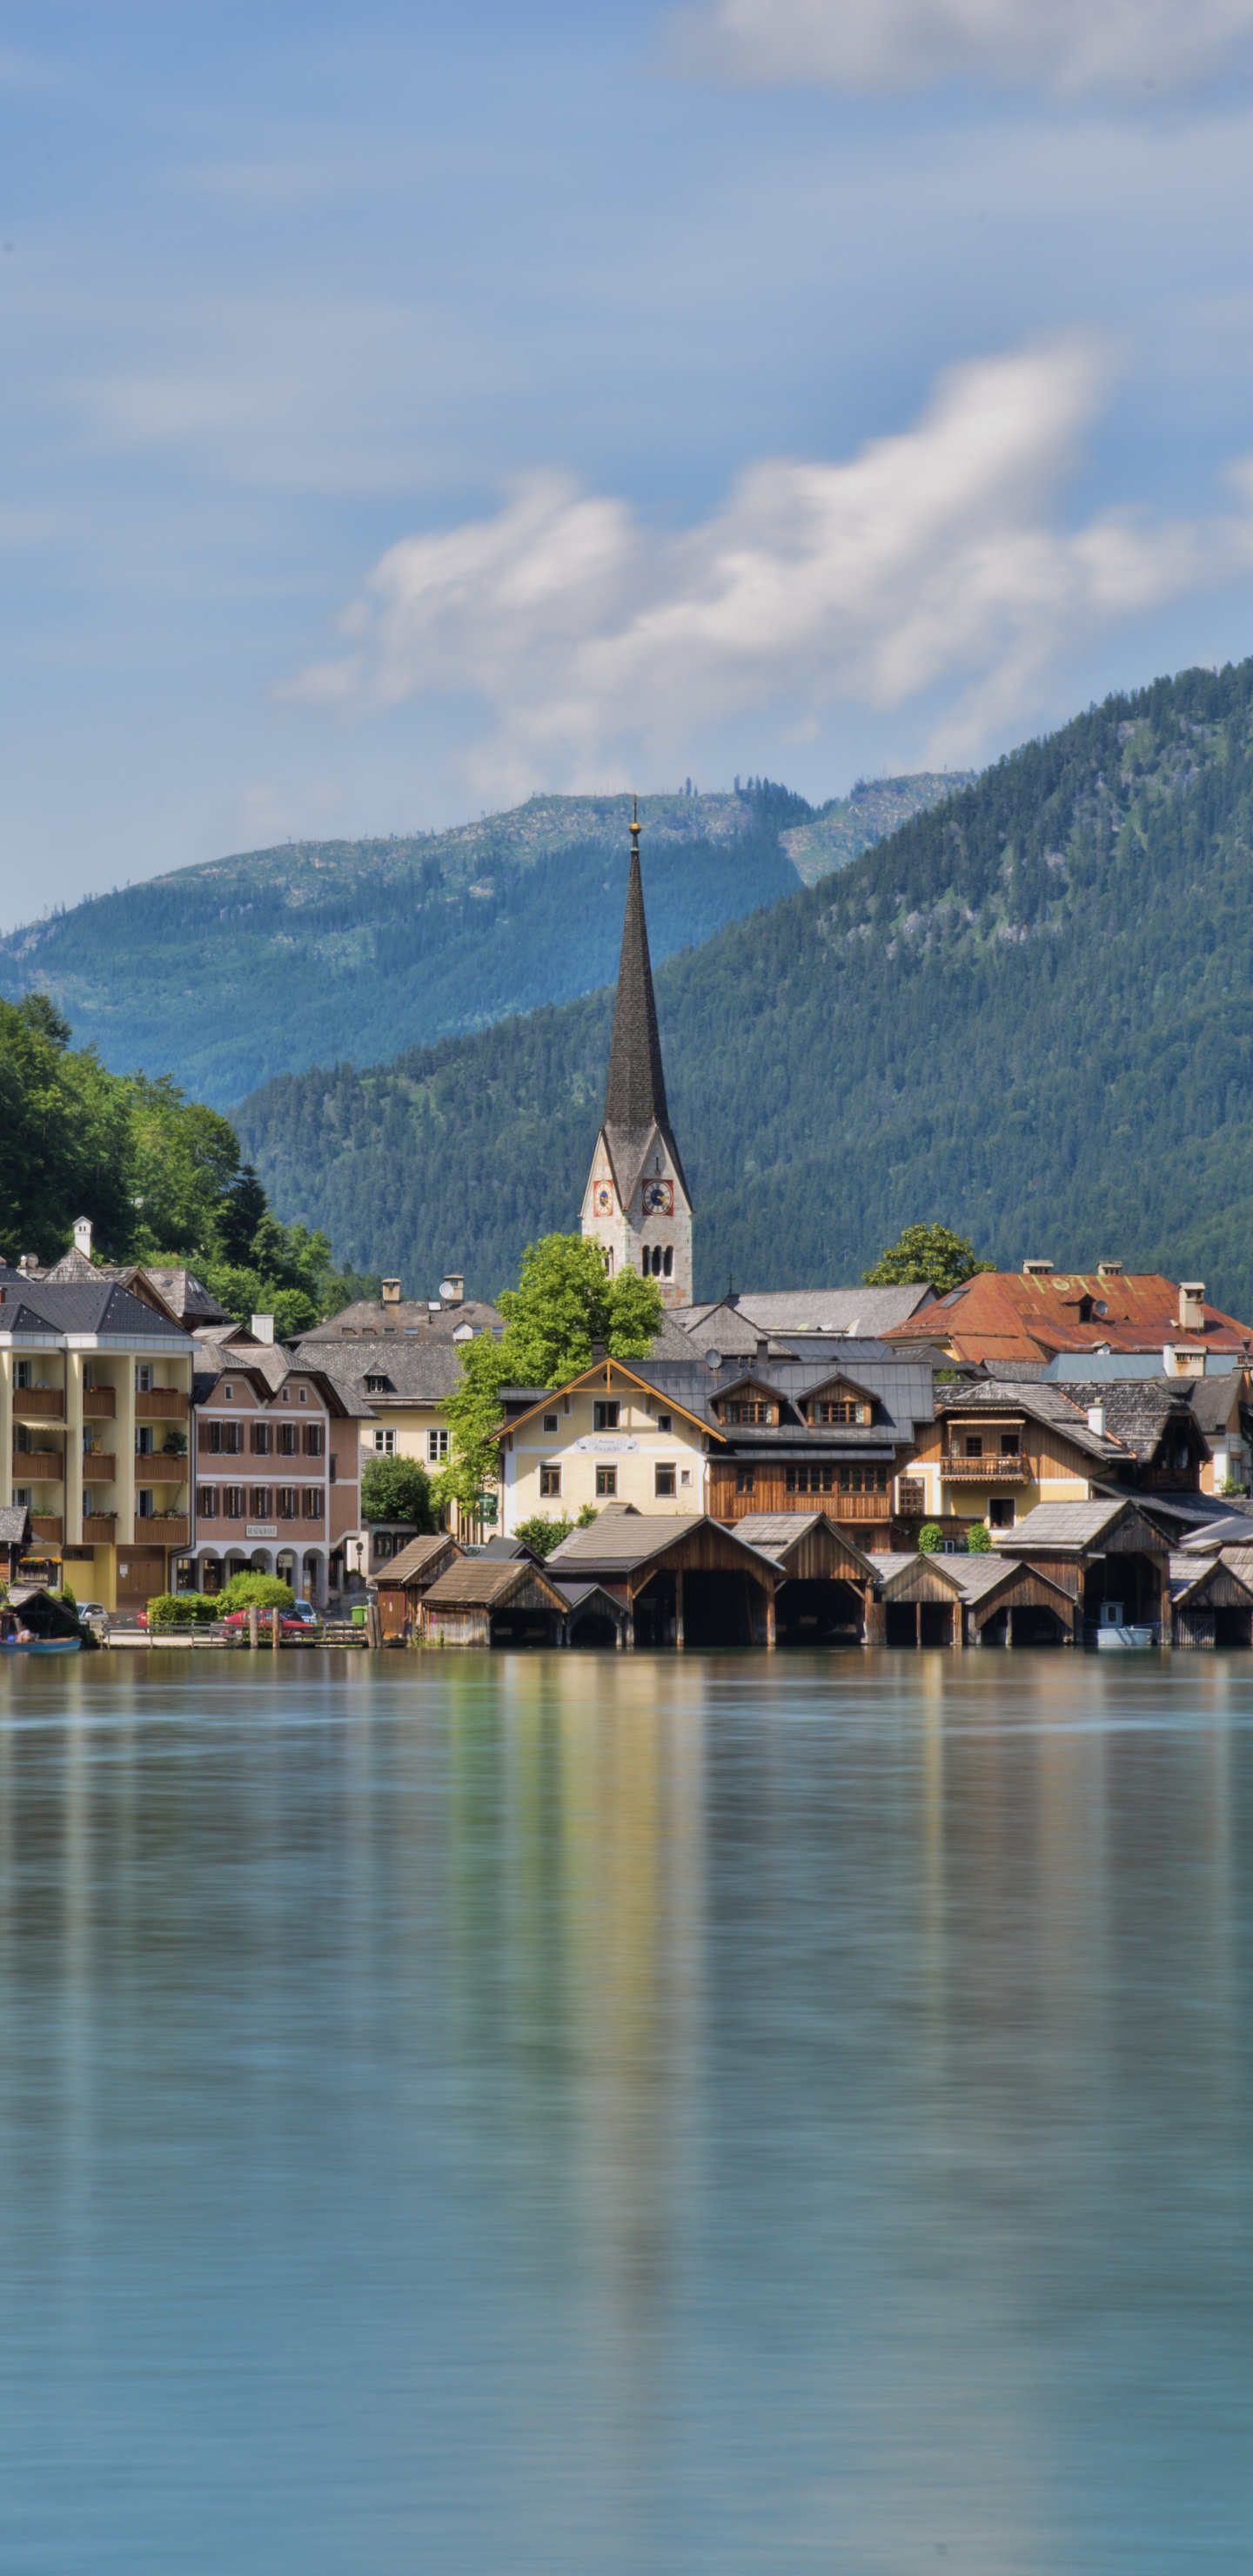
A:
{"points": [[404, 408]]}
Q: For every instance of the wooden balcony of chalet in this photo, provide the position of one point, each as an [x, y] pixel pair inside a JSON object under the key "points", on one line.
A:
{"points": [[35, 1403], [99, 1467], [38, 1467], [47, 1525], [161, 1404], [1009, 1470], [161, 1467], [100, 1527], [99, 1403], [167, 1529]]}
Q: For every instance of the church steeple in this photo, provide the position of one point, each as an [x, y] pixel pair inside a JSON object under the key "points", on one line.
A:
{"points": [[636, 1205]]}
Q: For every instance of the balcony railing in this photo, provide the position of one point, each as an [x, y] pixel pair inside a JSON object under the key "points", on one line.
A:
{"points": [[984, 1471], [170, 1529], [156, 1466], [33, 1400], [99, 1403], [38, 1467], [161, 1404], [47, 1525], [99, 1467], [101, 1526]]}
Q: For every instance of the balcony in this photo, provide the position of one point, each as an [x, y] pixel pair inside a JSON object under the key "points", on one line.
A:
{"points": [[99, 1467], [46, 1525], [38, 1467], [100, 1526], [47, 1402], [99, 1403], [161, 1404], [985, 1471], [156, 1467], [171, 1529]]}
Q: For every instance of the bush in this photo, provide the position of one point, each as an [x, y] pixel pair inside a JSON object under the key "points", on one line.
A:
{"points": [[397, 1489], [262, 1591], [930, 1538], [978, 1542], [586, 1517], [182, 1610], [542, 1535]]}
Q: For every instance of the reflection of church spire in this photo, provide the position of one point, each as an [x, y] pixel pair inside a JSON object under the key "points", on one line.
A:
{"points": [[635, 1095]]}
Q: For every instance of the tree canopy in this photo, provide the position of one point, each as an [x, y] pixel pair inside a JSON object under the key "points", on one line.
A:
{"points": [[925, 1252], [562, 1304]]}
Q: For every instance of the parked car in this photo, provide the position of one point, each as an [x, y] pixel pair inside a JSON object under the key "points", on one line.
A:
{"points": [[92, 1610], [301, 1621]]}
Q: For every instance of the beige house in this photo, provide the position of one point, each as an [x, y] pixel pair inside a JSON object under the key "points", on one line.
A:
{"points": [[995, 1451], [607, 1437]]}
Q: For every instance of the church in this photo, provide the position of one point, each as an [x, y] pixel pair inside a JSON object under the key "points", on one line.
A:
{"points": [[636, 1205]]}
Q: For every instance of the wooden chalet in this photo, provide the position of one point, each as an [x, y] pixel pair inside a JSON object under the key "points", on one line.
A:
{"points": [[403, 1586], [493, 1601], [1213, 1599], [681, 1583], [1098, 1553], [973, 1601], [827, 1586]]}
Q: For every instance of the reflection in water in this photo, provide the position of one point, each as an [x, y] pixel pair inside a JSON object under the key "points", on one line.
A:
{"points": [[625, 2113]]}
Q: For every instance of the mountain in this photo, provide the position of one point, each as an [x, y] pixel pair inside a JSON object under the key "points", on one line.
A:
{"points": [[1028, 1013], [258, 965]]}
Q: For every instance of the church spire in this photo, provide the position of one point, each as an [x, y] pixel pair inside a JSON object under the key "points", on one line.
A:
{"points": [[635, 1095]]}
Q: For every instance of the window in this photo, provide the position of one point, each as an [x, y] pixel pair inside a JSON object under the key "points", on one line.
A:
{"points": [[143, 1504], [605, 1416], [668, 1263], [606, 1484], [863, 1480], [842, 1408], [910, 1496], [385, 1444], [974, 1444], [378, 1386], [286, 1396], [313, 1440], [1001, 1512], [144, 1442], [550, 1484], [143, 1377], [304, 1395], [334, 1467], [1009, 1444], [663, 1479], [261, 1439], [228, 1391], [232, 1502], [313, 1502], [685, 1475], [287, 1504], [260, 1503], [288, 1440], [437, 1445], [750, 1411], [206, 1502], [665, 1422], [216, 1437], [21, 1373], [812, 1480], [745, 1480], [22, 1495], [550, 1422]]}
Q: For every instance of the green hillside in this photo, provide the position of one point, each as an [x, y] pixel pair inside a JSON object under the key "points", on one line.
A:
{"points": [[1029, 1012], [230, 973]]}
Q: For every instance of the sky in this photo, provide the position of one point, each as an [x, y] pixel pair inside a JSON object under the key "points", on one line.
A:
{"points": [[411, 407]]}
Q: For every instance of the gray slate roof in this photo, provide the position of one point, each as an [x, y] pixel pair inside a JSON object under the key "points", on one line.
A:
{"points": [[14, 1524], [95, 1305], [1062, 1525], [863, 1313], [1138, 1411], [414, 1559], [370, 1320], [1064, 1412], [480, 1583], [416, 1372], [902, 1387]]}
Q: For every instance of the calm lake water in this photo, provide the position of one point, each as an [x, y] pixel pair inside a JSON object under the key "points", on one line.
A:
{"points": [[613, 2116]]}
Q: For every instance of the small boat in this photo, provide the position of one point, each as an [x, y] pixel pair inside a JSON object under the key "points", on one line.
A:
{"points": [[1125, 1638], [40, 1645]]}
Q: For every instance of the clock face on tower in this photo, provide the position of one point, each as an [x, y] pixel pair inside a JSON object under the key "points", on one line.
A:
{"points": [[602, 1198], [659, 1198]]}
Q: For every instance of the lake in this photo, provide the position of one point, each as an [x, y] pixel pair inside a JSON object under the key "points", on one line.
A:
{"points": [[615, 2116]]}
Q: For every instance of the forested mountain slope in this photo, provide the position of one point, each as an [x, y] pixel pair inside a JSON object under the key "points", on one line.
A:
{"points": [[1029, 1012], [252, 966]]}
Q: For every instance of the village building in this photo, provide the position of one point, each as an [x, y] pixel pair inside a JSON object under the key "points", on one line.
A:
{"points": [[636, 1205], [679, 1581], [403, 1584], [485, 1600], [608, 1436], [277, 1472], [1035, 1313], [450, 1318], [996, 1449], [95, 1412]]}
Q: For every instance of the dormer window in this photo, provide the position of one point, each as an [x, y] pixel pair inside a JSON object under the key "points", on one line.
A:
{"points": [[840, 1403], [749, 1409]]}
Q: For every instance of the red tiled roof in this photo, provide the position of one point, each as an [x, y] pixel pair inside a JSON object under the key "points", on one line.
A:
{"points": [[1009, 1315]]}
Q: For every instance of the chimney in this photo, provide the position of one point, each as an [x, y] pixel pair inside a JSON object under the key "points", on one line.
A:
{"points": [[263, 1328], [598, 1347], [452, 1289], [1037, 1270], [1096, 1418], [82, 1236], [1192, 1305], [29, 1264], [391, 1292], [1109, 1270]]}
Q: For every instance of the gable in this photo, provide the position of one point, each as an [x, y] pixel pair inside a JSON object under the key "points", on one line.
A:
{"points": [[838, 1399]]}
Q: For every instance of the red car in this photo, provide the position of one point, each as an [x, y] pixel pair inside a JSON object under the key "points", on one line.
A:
{"points": [[300, 1622]]}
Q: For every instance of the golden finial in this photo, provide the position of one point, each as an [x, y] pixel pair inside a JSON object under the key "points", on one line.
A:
{"points": [[635, 825]]}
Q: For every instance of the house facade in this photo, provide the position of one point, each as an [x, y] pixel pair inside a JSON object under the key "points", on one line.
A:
{"points": [[95, 1420], [277, 1473], [610, 1436]]}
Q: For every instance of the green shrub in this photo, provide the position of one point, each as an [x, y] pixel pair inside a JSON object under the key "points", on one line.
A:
{"points": [[587, 1515], [397, 1489], [930, 1538], [182, 1610], [542, 1535], [978, 1542], [260, 1591]]}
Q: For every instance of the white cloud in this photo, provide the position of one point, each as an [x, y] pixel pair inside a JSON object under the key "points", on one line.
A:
{"points": [[1072, 47], [932, 561]]}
